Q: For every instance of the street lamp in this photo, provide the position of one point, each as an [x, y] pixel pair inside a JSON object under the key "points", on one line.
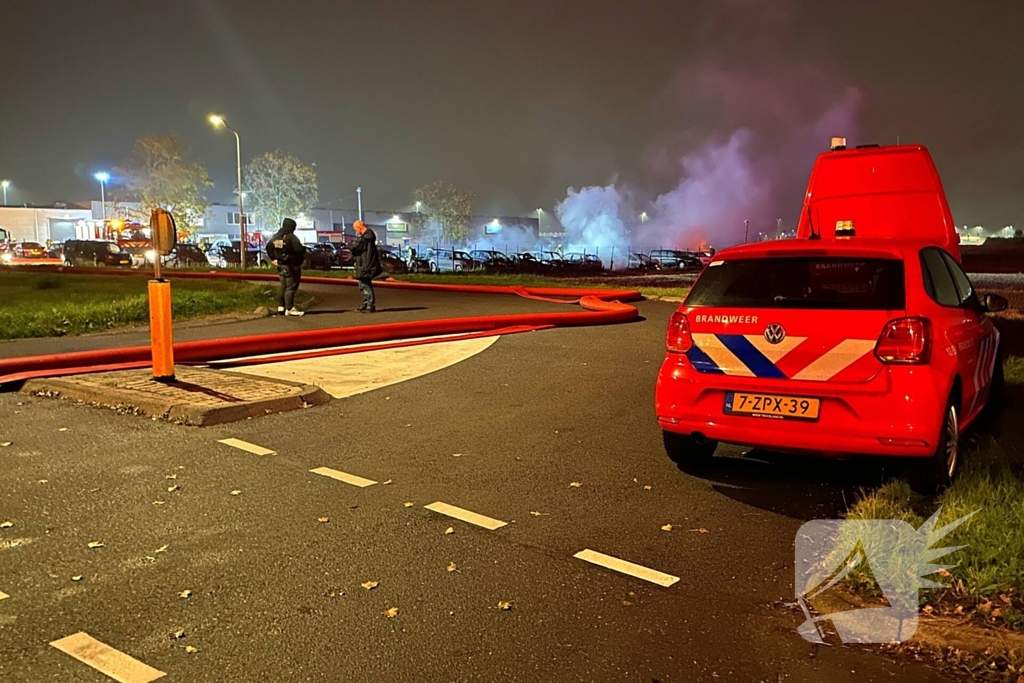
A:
{"points": [[418, 204], [5, 184], [359, 198], [219, 122], [103, 177], [643, 217]]}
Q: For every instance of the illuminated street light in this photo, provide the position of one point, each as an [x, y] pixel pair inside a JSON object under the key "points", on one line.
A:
{"points": [[418, 204], [643, 217], [103, 177], [359, 196], [218, 121], [5, 184]]}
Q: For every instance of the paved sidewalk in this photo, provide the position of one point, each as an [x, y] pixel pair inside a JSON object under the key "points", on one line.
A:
{"points": [[196, 396]]}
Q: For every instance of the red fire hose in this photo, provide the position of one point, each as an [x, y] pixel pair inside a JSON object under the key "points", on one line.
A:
{"points": [[601, 307]]}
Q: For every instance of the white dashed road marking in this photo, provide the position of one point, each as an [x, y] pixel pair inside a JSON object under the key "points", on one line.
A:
{"points": [[247, 447], [635, 570], [344, 476], [107, 660], [3, 595], [466, 515]]}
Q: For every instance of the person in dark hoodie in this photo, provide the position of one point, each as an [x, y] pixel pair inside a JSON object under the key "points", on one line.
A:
{"points": [[287, 254], [367, 265]]}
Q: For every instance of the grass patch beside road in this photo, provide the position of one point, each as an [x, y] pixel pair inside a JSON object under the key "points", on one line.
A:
{"points": [[50, 304], [989, 577]]}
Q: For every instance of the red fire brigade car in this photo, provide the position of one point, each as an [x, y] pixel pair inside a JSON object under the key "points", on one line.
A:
{"points": [[861, 336]]}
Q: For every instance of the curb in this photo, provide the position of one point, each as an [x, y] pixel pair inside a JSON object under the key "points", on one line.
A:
{"points": [[181, 413]]}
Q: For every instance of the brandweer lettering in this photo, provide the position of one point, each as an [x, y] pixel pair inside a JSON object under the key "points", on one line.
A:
{"points": [[738, 319]]}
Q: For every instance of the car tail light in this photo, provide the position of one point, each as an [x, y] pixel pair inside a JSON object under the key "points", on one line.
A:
{"points": [[679, 340], [905, 341]]}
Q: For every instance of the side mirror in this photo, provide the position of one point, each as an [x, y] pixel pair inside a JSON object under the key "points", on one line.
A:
{"points": [[994, 303]]}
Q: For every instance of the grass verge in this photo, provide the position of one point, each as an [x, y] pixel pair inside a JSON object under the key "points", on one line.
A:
{"points": [[988, 579], [49, 305], [524, 280]]}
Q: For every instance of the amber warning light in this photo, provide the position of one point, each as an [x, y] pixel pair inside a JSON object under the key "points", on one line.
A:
{"points": [[838, 144]]}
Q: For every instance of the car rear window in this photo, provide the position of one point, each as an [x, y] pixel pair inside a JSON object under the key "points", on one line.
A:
{"points": [[802, 282]]}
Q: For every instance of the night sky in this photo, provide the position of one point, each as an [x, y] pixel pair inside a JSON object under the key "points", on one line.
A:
{"points": [[516, 101]]}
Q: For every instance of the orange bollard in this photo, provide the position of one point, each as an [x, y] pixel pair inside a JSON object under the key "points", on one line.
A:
{"points": [[160, 331]]}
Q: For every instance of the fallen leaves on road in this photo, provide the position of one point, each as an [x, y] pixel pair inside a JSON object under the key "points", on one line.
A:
{"points": [[236, 492], [6, 525], [449, 530], [170, 476], [701, 530], [370, 585], [451, 567], [63, 429], [158, 502], [185, 594], [76, 578], [666, 527], [43, 481], [5, 444], [172, 489], [505, 605], [407, 504], [178, 635], [95, 544], [627, 603], [391, 613], [161, 549], [323, 520], [386, 483], [540, 514], [575, 484], [191, 650], [647, 487]]}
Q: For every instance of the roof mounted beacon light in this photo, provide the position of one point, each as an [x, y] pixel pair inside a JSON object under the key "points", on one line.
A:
{"points": [[838, 144]]}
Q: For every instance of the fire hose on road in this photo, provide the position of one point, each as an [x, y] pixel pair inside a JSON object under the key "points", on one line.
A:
{"points": [[600, 307]]}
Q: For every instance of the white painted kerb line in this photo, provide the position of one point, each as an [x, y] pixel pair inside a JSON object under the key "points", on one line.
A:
{"points": [[344, 476], [107, 660], [635, 570], [247, 447], [466, 515]]}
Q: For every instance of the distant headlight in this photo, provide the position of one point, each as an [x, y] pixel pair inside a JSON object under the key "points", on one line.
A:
{"points": [[151, 255]]}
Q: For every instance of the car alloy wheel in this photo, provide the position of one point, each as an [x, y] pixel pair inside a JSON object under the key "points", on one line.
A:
{"points": [[952, 445]]}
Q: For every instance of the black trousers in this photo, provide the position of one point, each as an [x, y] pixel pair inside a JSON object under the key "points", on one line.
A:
{"points": [[366, 287], [290, 277]]}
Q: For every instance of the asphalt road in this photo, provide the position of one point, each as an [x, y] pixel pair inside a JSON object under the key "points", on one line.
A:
{"points": [[276, 594]]}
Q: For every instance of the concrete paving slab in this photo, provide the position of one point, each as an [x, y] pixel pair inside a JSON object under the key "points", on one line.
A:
{"points": [[196, 396]]}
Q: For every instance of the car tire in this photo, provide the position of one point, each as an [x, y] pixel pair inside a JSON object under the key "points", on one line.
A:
{"points": [[933, 474], [433, 267], [684, 449]]}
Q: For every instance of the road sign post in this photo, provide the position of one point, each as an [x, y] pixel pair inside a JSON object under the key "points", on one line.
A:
{"points": [[161, 337]]}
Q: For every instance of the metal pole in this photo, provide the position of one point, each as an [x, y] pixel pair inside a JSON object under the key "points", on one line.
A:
{"points": [[746, 231], [359, 196], [244, 244], [103, 199]]}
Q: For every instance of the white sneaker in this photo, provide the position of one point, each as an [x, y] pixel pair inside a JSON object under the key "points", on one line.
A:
{"points": [[280, 310], [295, 311]]}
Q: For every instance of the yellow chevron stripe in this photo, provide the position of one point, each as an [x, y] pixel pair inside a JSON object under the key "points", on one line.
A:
{"points": [[725, 359], [845, 354], [773, 352]]}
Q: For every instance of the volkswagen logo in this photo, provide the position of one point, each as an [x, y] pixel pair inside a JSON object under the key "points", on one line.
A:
{"points": [[774, 333]]}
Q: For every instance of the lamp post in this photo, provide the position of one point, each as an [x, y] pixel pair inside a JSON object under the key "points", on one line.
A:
{"points": [[103, 177], [5, 184], [359, 198], [746, 231], [218, 121], [643, 218]]}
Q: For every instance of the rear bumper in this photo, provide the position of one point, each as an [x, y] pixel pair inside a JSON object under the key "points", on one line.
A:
{"points": [[898, 413]]}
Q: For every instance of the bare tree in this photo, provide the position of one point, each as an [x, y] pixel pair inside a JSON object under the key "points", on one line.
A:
{"points": [[447, 206], [278, 186], [157, 175]]}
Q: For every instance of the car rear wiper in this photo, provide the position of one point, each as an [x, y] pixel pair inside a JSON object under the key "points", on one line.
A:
{"points": [[795, 302]]}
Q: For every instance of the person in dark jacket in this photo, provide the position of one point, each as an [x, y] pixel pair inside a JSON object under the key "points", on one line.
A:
{"points": [[287, 254], [367, 265]]}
